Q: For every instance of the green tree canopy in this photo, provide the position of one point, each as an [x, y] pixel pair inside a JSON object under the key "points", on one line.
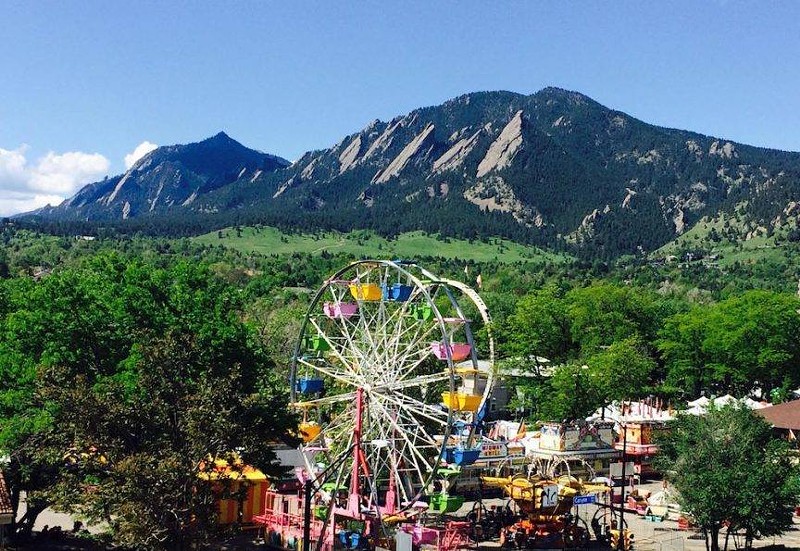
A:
{"points": [[744, 342], [728, 467], [603, 314], [150, 369], [623, 371], [571, 394], [541, 326]]}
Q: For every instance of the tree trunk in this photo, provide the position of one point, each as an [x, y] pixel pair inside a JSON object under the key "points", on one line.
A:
{"points": [[14, 508], [715, 538], [25, 524]]}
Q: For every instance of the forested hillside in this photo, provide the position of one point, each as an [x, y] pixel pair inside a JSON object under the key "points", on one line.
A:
{"points": [[554, 168]]}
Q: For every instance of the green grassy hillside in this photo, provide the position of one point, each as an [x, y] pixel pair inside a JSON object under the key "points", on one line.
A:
{"points": [[267, 240], [733, 240]]}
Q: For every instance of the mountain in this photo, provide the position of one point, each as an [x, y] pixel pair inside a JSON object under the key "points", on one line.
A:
{"points": [[554, 168], [166, 179]]}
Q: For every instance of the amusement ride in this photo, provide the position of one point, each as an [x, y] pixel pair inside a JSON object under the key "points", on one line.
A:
{"points": [[392, 389]]}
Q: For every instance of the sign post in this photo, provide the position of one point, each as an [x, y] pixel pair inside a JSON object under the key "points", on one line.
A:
{"points": [[584, 500]]}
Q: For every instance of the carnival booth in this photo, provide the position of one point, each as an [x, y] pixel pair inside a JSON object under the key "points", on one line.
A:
{"points": [[240, 490]]}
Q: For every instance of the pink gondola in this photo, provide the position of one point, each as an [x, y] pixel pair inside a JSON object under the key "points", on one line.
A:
{"points": [[339, 309], [458, 351]]}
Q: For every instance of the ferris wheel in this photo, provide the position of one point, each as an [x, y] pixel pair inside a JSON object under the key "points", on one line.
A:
{"points": [[391, 383]]}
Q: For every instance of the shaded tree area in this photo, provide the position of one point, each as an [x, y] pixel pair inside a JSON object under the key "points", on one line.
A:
{"points": [[119, 381], [636, 343], [729, 470], [736, 345]]}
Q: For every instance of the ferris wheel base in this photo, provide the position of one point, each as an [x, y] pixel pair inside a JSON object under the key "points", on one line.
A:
{"points": [[282, 523]]}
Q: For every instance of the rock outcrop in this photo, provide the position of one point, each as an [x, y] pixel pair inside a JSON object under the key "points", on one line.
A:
{"points": [[501, 152], [408, 152], [454, 156]]}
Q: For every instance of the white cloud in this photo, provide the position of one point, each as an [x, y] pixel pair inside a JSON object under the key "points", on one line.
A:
{"points": [[66, 173], [51, 179], [141, 150], [15, 202], [13, 169]]}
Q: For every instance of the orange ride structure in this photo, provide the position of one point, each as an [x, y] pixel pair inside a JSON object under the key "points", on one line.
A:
{"points": [[386, 378], [545, 505]]}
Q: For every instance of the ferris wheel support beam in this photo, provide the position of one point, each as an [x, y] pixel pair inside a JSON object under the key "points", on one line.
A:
{"points": [[355, 487]]}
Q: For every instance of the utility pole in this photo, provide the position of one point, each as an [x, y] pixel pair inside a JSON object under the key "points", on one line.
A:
{"points": [[308, 488], [621, 539]]}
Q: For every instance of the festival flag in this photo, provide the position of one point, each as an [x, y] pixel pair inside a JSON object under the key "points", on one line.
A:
{"points": [[466, 271], [479, 281]]}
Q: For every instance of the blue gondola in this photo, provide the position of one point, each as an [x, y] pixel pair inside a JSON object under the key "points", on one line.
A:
{"points": [[397, 292], [465, 456], [308, 385]]}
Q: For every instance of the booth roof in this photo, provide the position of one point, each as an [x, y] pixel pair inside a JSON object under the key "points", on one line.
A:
{"points": [[783, 416], [223, 471]]}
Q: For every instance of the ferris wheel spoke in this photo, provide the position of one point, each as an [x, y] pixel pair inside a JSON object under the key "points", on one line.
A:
{"points": [[415, 408], [415, 382], [425, 334], [414, 453], [363, 325], [399, 339], [326, 400], [410, 365], [355, 351], [347, 329], [341, 377], [398, 368], [333, 346], [340, 430], [418, 408], [419, 428]]}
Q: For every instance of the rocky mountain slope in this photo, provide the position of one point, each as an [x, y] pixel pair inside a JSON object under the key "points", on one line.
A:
{"points": [[167, 178], [553, 168]]}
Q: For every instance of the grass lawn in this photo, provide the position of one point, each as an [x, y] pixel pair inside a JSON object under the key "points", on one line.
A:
{"points": [[362, 243]]}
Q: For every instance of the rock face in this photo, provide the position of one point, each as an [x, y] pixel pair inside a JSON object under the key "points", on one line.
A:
{"points": [[454, 157], [398, 163], [493, 194], [501, 152], [350, 154]]}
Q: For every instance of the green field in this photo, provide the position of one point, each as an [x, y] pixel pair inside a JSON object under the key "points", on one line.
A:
{"points": [[270, 241]]}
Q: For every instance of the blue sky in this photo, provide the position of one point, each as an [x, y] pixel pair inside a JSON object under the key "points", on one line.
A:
{"points": [[82, 84]]}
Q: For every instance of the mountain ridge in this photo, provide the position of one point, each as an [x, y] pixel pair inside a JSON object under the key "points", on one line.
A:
{"points": [[164, 177], [554, 168]]}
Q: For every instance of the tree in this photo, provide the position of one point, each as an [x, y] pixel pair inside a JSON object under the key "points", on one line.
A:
{"points": [[622, 371], [119, 380], [572, 394], [603, 314], [540, 326], [735, 345], [728, 467]]}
